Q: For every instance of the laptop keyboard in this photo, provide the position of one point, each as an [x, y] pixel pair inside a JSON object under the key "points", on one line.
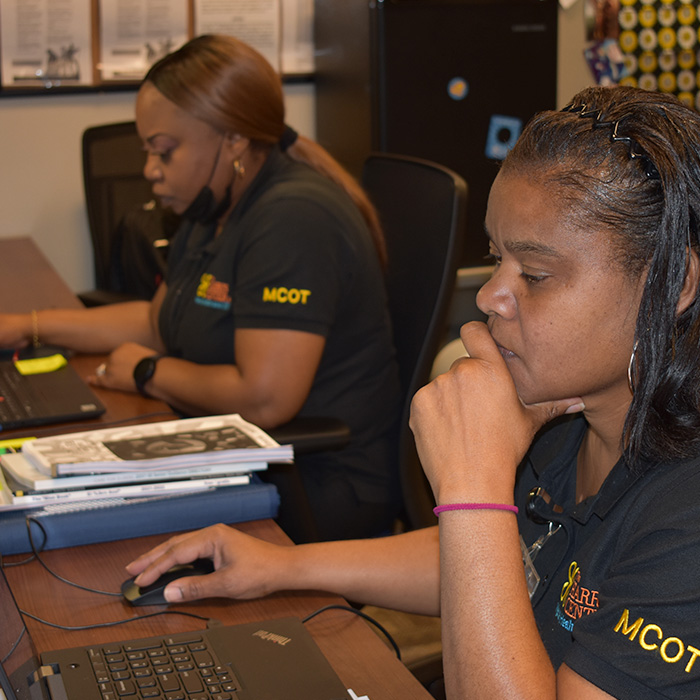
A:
{"points": [[15, 403], [181, 667]]}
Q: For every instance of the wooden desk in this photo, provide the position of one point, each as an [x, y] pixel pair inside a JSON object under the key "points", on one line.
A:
{"points": [[362, 661], [29, 281], [360, 658]]}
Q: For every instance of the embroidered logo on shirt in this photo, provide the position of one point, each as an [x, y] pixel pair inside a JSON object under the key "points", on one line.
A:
{"points": [[575, 600], [651, 638], [212, 293], [286, 295]]}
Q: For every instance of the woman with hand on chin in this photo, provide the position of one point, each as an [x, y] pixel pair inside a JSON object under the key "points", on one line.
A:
{"points": [[274, 303], [571, 431]]}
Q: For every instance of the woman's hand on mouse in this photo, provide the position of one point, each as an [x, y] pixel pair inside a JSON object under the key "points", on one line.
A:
{"points": [[245, 567]]}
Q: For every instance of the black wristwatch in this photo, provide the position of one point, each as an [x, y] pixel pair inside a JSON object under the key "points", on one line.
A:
{"points": [[143, 371]]}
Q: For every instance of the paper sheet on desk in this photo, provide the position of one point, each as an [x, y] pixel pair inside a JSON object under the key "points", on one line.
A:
{"points": [[357, 697]]}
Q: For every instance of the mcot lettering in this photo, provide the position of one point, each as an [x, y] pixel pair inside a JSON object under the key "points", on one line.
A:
{"points": [[284, 295], [651, 638]]}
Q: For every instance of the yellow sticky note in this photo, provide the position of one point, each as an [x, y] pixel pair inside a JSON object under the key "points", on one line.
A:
{"points": [[40, 365], [14, 443]]}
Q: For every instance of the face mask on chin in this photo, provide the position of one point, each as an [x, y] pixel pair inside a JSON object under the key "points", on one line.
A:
{"points": [[204, 208]]}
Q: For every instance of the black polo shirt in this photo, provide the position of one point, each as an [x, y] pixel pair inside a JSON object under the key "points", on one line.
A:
{"points": [[619, 597], [296, 254]]}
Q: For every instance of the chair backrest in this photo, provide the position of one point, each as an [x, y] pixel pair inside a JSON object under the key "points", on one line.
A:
{"points": [[422, 206], [113, 160]]}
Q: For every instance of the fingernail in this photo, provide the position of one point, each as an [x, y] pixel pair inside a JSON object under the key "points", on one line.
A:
{"points": [[172, 594], [576, 408]]}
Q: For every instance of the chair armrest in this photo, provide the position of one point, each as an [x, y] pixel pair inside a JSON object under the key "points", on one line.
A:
{"points": [[309, 434]]}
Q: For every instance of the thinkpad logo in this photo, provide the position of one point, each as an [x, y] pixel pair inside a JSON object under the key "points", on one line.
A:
{"points": [[272, 637]]}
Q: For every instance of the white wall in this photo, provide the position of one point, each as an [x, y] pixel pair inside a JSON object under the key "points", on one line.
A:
{"points": [[41, 187], [41, 191], [573, 72]]}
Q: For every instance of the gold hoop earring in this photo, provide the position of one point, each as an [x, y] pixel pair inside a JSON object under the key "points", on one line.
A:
{"points": [[238, 168], [631, 369]]}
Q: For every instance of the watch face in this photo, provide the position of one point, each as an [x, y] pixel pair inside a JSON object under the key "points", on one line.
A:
{"points": [[143, 371]]}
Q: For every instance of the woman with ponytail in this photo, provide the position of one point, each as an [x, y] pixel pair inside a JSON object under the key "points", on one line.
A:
{"points": [[273, 305]]}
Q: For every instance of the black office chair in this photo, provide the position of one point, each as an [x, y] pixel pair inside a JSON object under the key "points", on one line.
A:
{"points": [[422, 207], [129, 230]]}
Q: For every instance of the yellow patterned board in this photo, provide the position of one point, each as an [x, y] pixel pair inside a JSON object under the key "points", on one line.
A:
{"points": [[660, 44]]}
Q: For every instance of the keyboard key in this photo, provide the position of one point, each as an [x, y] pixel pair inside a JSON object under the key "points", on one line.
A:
{"points": [[169, 683], [192, 682], [125, 688], [202, 659]]}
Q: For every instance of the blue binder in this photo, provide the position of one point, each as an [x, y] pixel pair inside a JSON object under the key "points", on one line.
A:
{"points": [[107, 521]]}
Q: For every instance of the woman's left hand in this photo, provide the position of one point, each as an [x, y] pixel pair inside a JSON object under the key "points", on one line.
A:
{"points": [[471, 428], [118, 371]]}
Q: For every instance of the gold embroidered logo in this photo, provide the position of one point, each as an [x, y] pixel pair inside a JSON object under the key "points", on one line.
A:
{"points": [[577, 600], [651, 638], [285, 295]]}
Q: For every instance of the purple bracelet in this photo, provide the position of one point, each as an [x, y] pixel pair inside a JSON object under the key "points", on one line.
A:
{"points": [[474, 506]]}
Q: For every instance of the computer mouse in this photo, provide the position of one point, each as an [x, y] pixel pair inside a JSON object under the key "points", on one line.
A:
{"points": [[153, 593]]}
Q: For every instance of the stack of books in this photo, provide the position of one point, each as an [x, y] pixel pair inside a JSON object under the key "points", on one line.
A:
{"points": [[146, 460]]}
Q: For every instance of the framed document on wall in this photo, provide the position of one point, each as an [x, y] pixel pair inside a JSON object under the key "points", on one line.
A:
{"points": [[54, 46], [134, 34], [46, 43], [257, 22]]}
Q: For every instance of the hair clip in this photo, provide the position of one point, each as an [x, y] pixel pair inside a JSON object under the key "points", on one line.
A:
{"points": [[634, 149], [571, 107]]}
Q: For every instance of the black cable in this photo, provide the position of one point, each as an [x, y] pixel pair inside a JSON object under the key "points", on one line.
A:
{"points": [[364, 616], [9, 564], [14, 646], [115, 622], [28, 521]]}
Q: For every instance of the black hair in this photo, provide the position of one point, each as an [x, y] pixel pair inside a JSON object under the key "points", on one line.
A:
{"points": [[627, 160]]}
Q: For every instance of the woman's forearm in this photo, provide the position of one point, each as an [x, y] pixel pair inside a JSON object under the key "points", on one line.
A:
{"points": [[491, 645], [400, 572], [96, 330], [268, 385]]}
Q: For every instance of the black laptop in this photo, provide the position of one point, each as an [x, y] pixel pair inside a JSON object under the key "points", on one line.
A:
{"points": [[267, 660], [49, 397]]}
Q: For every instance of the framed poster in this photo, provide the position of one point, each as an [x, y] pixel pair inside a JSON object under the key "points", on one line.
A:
{"points": [[46, 43], [257, 22], [77, 45], [134, 34]]}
